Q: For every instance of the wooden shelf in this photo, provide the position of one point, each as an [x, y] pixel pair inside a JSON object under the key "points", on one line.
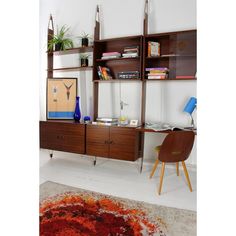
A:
{"points": [[171, 79], [120, 58], [72, 68], [73, 50], [117, 80], [169, 56]]}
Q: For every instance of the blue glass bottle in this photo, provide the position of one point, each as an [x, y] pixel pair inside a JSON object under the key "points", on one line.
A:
{"points": [[77, 114]]}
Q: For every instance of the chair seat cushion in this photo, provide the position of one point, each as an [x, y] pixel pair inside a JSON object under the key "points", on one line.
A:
{"points": [[157, 148]]}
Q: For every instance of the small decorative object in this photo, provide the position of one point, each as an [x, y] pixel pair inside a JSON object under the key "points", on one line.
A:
{"points": [[87, 119], [123, 120], [61, 40], [189, 108], [84, 39], [77, 114], [133, 122], [84, 59], [61, 94]]}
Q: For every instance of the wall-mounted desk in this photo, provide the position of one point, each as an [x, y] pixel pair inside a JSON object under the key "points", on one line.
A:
{"points": [[143, 129]]}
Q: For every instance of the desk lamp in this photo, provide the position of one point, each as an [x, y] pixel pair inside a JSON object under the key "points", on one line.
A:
{"points": [[189, 108]]}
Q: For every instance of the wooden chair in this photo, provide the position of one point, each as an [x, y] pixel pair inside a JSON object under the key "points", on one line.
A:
{"points": [[176, 147]]}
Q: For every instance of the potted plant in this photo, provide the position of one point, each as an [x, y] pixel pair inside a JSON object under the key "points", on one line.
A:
{"points": [[61, 41], [84, 39], [84, 59]]}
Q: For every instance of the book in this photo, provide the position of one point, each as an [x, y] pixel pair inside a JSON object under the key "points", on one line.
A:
{"points": [[157, 73], [128, 75], [111, 54], [106, 119], [154, 49], [156, 76], [130, 54], [106, 73], [110, 57], [157, 68], [100, 74]]}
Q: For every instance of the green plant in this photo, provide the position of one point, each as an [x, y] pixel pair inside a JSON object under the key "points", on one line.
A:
{"points": [[61, 39], [84, 56], [84, 36]]}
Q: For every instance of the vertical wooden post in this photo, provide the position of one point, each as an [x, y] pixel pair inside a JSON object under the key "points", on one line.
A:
{"points": [[97, 25], [50, 54], [95, 84], [143, 96], [145, 21]]}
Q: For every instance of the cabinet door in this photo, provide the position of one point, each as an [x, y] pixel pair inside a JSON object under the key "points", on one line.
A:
{"points": [[97, 140], [123, 143], [68, 137]]}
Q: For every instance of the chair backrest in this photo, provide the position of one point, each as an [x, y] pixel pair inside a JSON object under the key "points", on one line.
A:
{"points": [[176, 146]]}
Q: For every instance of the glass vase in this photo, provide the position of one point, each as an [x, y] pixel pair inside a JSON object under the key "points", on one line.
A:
{"points": [[77, 114]]}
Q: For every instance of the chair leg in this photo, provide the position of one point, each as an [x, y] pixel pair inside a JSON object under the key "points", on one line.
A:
{"points": [[177, 168], [154, 168], [161, 177], [187, 176]]}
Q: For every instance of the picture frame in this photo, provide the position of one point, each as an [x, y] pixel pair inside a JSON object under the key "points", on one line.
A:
{"points": [[133, 123], [61, 98]]}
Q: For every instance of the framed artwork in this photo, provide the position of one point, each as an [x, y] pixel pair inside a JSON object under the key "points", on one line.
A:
{"points": [[133, 122], [61, 98]]}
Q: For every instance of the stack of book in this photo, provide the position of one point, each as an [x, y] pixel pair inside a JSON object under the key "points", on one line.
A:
{"points": [[104, 73], [157, 73], [128, 75], [154, 49], [110, 55], [131, 51], [107, 121]]}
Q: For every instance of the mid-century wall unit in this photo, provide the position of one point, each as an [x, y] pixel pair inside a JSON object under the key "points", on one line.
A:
{"points": [[178, 53]]}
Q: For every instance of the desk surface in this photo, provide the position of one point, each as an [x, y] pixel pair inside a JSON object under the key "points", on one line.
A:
{"points": [[144, 129]]}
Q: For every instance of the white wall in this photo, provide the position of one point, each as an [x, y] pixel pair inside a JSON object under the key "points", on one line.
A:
{"points": [[165, 101]]}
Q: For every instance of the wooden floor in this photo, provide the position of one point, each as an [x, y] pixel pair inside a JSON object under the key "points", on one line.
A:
{"points": [[119, 178]]}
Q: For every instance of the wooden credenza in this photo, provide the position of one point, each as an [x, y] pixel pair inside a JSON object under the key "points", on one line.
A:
{"points": [[103, 141]]}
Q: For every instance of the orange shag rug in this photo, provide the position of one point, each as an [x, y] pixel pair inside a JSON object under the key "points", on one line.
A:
{"points": [[68, 211]]}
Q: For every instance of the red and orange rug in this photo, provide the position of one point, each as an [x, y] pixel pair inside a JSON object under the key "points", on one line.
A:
{"points": [[70, 211]]}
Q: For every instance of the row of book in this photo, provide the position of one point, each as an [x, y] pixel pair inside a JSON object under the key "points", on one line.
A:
{"points": [[157, 73], [129, 52], [104, 73], [128, 75]]}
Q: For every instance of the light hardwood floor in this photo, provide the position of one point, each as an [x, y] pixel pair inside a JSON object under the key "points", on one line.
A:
{"points": [[119, 178]]}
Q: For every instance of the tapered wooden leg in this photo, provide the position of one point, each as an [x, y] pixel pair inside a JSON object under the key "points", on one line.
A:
{"points": [[154, 168], [161, 177], [187, 177], [177, 168]]}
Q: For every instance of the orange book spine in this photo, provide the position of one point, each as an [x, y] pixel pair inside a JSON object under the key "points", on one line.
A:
{"points": [[149, 49]]}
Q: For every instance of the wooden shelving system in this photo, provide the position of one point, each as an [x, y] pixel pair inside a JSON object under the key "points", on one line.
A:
{"points": [[178, 54]]}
